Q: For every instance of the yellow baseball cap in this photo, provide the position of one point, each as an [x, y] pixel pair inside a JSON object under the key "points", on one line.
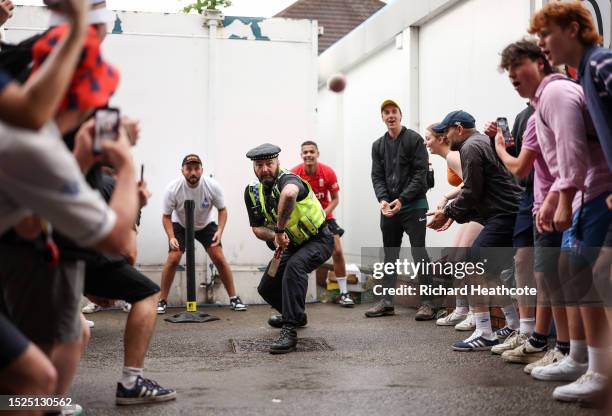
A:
{"points": [[389, 102]]}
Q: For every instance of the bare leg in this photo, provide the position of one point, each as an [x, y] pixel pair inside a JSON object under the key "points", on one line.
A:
{"points": [[138, 331], [523, 263], [338, 258], [30, 374], [225, 272], [174, 258]]}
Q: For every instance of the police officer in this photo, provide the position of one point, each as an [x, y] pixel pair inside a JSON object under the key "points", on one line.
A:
{"points": [[283, 209]]}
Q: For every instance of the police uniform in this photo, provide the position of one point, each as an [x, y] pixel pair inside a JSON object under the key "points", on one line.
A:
{"points": [[311, 242]]}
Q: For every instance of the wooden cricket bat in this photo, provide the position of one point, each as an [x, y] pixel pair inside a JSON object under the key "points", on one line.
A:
{"points": [[275, 262]]}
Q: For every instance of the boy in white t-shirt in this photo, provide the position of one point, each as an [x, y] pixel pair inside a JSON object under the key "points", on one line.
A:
{"points": [[206, 193]]}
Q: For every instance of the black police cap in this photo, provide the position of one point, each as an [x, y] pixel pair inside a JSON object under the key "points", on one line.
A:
{"points": [[264, 152]]}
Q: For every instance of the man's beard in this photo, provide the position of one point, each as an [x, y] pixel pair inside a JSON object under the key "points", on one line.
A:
{"points": [[454, 144], [193, 180], [268, 180]]}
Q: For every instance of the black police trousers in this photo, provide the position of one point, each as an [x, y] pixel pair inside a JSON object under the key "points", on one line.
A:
{"points": [[286, 292]]}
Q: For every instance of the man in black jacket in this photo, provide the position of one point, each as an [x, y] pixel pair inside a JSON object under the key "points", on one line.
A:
{"points": [[399, 176], [491, 196]]}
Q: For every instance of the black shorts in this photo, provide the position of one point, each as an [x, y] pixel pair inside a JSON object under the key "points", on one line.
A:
{"points": [[204, 236], [12, 344], [334, 227], [494, 244], [118, 281], [547, 251]]}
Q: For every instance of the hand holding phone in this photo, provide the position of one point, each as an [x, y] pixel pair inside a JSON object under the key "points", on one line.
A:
{"points": [[107, 122], [502, 123]]}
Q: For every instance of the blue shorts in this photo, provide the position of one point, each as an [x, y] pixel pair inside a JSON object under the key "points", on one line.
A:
{"points": [[589, 228]]}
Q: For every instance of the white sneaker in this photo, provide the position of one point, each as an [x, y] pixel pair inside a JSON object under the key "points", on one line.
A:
{"points": [[564, 370], [451, 320], [76, 410], [126, 307], [588, 387], [468, 324], [91, 308], [524, 353], [551, 357], [514, 340], [90, 324]]}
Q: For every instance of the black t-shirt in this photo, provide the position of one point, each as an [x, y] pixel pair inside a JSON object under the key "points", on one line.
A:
{"points": [[256, 217]]}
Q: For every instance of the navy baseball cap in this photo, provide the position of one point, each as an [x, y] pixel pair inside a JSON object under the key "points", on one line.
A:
{"points": [[455, 118]]}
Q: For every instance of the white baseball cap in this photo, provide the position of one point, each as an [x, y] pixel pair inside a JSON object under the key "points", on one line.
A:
{"points": [[97, 14]]}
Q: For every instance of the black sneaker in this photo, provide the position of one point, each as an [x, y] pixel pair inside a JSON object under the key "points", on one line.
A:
{"points": [[237, 305], [144, 391], [286, 342], [276, 321], [161, 307]]}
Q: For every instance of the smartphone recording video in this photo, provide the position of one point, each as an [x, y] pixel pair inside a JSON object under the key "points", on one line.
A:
{"points": [[502, 123], [106, 127]]}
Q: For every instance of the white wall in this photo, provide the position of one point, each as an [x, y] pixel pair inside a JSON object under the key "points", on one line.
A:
{"points": [[265, 91], [447, 61]]}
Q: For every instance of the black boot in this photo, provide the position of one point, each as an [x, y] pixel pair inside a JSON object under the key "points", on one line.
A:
{"points": [[286, 342], [276, 321]]}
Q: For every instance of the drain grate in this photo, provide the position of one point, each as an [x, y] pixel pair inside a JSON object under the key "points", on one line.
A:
{"points": [[263, 345]]}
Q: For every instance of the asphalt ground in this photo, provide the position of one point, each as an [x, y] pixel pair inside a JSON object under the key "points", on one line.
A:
{"points": [[390, 365]]}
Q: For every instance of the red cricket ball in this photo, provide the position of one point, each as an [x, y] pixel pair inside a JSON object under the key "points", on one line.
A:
{"points": [[336, 83]]}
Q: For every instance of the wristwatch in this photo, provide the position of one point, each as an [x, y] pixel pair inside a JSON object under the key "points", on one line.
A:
{"points": [[278, 230]]}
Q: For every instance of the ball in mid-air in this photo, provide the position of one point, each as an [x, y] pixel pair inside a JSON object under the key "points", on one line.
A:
{"points": [[336, 83]]}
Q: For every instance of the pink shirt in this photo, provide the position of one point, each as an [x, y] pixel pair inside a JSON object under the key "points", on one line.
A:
{"points": [[562, 124], [543, 179]]}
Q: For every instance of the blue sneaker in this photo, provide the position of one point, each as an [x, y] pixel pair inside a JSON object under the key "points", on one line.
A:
{"points": [[476, 342], [144, 391], [504, 333]]}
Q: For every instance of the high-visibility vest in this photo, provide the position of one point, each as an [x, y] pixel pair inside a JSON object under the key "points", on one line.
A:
{"points": [[307, 215]]}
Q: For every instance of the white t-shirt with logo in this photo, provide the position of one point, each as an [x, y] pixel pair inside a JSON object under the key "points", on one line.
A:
{"points": [[207, 194], [39, 175]]}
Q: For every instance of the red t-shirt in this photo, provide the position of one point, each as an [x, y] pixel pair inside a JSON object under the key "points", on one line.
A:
{"points": [[323, 183]]}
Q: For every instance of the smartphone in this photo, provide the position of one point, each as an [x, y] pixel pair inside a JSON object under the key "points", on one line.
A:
{"points": [[141, 172], [106, 127], [502, 123]]}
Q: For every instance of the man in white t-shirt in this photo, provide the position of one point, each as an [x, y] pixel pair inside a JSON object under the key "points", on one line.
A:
{"points": [[206, 193]]}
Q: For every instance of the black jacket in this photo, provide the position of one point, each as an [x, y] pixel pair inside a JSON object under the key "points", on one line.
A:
{"points": [[404, 175], [489, 189]]}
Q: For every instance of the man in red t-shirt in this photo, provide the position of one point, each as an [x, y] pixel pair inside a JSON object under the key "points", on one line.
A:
{"points": [[324, 184]]}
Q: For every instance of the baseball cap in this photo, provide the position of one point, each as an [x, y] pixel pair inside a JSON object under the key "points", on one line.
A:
{"points": [[389, 102], [98, 13], [455, 118], [94, 80], [191, 158]]}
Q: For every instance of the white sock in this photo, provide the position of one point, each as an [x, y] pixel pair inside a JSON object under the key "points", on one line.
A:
{"points": [[527, 326], [461, 306], [512, 318], [578, 350], [129, 376], [483, 324], [599, 359], [342, 284]]}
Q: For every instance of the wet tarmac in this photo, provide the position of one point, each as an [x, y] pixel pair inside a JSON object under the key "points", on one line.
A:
{"points": [[390, 365]]}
